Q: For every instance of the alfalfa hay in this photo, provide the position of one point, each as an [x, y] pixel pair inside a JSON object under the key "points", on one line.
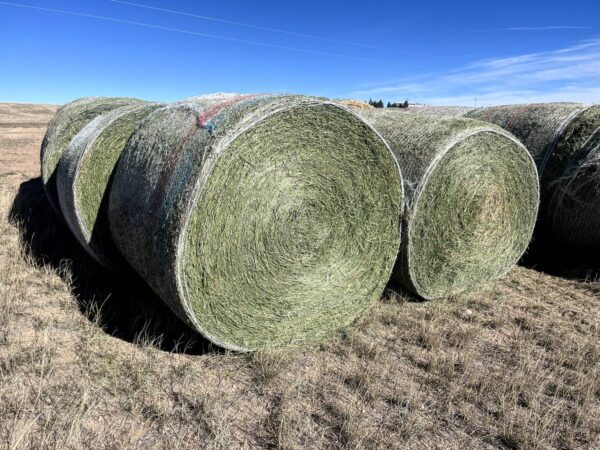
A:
{"points": [[471, 193], [63, 127], [85, 173], [260, 220], [560, 136]]}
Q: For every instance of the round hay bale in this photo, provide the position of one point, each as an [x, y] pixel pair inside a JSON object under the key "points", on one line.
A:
{"points": [[559, 136], [84, 176], [63, 127], [261, 220], [574, 210], [438, 111], [471, 200]]}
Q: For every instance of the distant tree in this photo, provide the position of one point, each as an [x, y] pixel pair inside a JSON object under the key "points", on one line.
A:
{"points": [[398, 105], [376, 103]]}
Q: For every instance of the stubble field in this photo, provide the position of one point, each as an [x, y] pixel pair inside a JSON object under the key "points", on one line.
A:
{"points": [[88, 359]]}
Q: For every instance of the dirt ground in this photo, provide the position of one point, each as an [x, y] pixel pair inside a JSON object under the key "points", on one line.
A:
{"points": [[90, 359]]}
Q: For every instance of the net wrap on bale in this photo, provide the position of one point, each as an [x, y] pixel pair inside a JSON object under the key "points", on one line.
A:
{"points": [[261, 220], [84, 176], [471, 199], [63, 127], [575, 197], [437, 111], [560, 137]]}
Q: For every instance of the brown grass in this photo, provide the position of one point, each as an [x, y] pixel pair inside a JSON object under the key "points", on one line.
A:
{"points": [[89, 361], [356, 104]]}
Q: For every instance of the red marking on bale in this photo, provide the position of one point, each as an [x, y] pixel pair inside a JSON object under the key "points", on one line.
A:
{"points": [[518, 116], [213, 110], [158, 197]]}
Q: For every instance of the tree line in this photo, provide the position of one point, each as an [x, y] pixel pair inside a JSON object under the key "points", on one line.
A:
{"points": [[379, 104]]}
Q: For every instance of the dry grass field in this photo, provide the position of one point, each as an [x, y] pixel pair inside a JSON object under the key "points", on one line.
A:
{"points": [[90, 360]]}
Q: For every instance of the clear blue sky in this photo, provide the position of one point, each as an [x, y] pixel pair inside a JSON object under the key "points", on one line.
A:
{"points": [[441, 52]]}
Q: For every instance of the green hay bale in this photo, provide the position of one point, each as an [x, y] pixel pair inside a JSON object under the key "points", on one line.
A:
{"points": [[559, 135], [85, 172], [261, 220], [471, 200], [63, 127], [575, 201]]}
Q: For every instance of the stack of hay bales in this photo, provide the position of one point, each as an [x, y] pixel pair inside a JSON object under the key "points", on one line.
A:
{"points": [[564, 141], [268, 220], [261, 220], [471, 193], [67, 122]]}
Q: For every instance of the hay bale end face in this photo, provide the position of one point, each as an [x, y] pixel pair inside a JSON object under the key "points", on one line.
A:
{"points": [[261, 220], [560, 136], [85, 172], [66, 123], [472, 197]]}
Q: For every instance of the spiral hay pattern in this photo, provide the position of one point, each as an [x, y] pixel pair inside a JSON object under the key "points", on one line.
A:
{"points": [[261, 220], [562, 138], [63, 127], [85, 172], [471, 200]]}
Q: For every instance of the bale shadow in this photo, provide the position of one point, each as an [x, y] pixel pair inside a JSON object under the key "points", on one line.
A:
{"points": [[121, 303], [546, 255]]}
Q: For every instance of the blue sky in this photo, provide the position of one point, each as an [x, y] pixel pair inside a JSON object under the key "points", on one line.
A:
{"points": [[438, 52]]}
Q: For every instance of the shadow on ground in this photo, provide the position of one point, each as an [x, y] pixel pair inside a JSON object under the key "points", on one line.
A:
{"points": [[546, 255], [121, 303], [128, 309]]}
